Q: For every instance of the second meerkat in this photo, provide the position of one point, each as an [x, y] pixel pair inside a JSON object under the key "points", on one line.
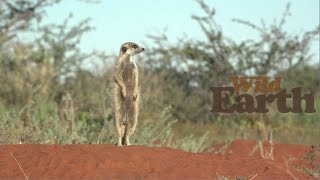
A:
{"points": [[126, 92]]}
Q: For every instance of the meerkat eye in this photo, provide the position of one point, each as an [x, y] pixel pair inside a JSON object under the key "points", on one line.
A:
{"points": [[134, 46]]}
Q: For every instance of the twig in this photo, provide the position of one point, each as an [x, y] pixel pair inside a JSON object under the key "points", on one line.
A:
{"points": [[19, 166], [252, 176]]}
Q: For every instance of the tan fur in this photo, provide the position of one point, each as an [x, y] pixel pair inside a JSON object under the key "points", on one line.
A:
{"points": [[126, 93]]}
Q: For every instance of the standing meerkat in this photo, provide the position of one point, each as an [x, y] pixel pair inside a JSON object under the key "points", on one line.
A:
{"points": [[67, 112], [126, 92]]}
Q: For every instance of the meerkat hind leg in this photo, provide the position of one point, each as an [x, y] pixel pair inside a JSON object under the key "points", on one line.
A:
{"points": [[123, 133], [118, 125], [126, 137], [133, 118], [119, 143]]}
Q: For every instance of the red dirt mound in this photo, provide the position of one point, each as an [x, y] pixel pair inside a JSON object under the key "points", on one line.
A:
{"points": [[137, 162]]}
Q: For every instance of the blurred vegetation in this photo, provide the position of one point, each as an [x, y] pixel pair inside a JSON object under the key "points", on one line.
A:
{"points": [[175, 80]]}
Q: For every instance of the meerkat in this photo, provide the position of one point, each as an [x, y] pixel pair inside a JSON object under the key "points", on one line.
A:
{"points": [[66, 112], [126, 92]]}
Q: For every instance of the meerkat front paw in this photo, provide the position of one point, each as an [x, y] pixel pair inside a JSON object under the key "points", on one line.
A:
{"points": [[124, 93], [135, 95]]}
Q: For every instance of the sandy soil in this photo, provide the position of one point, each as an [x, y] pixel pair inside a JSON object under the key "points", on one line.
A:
{"points": [[137, 162]]}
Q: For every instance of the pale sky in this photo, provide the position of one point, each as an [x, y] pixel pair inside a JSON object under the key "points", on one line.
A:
{"points": [[116, 22]]}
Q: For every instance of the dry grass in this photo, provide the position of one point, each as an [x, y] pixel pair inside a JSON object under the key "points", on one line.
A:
{"points": [[222, 177], [268, 154]]}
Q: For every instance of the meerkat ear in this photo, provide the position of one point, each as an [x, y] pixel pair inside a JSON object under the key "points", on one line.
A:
{"points": [[123, 49]]}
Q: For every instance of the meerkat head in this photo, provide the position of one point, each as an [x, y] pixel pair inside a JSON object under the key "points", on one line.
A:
{"points": [[131, 48]]}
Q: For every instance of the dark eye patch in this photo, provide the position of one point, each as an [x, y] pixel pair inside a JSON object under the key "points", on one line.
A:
{"points": [[134, 46]]}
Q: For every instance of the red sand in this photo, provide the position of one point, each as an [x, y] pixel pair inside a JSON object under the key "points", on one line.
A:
{"points": [[137, 162]]}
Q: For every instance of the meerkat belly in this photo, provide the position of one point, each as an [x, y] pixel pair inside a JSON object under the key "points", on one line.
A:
{"points": [[128, 77]]}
